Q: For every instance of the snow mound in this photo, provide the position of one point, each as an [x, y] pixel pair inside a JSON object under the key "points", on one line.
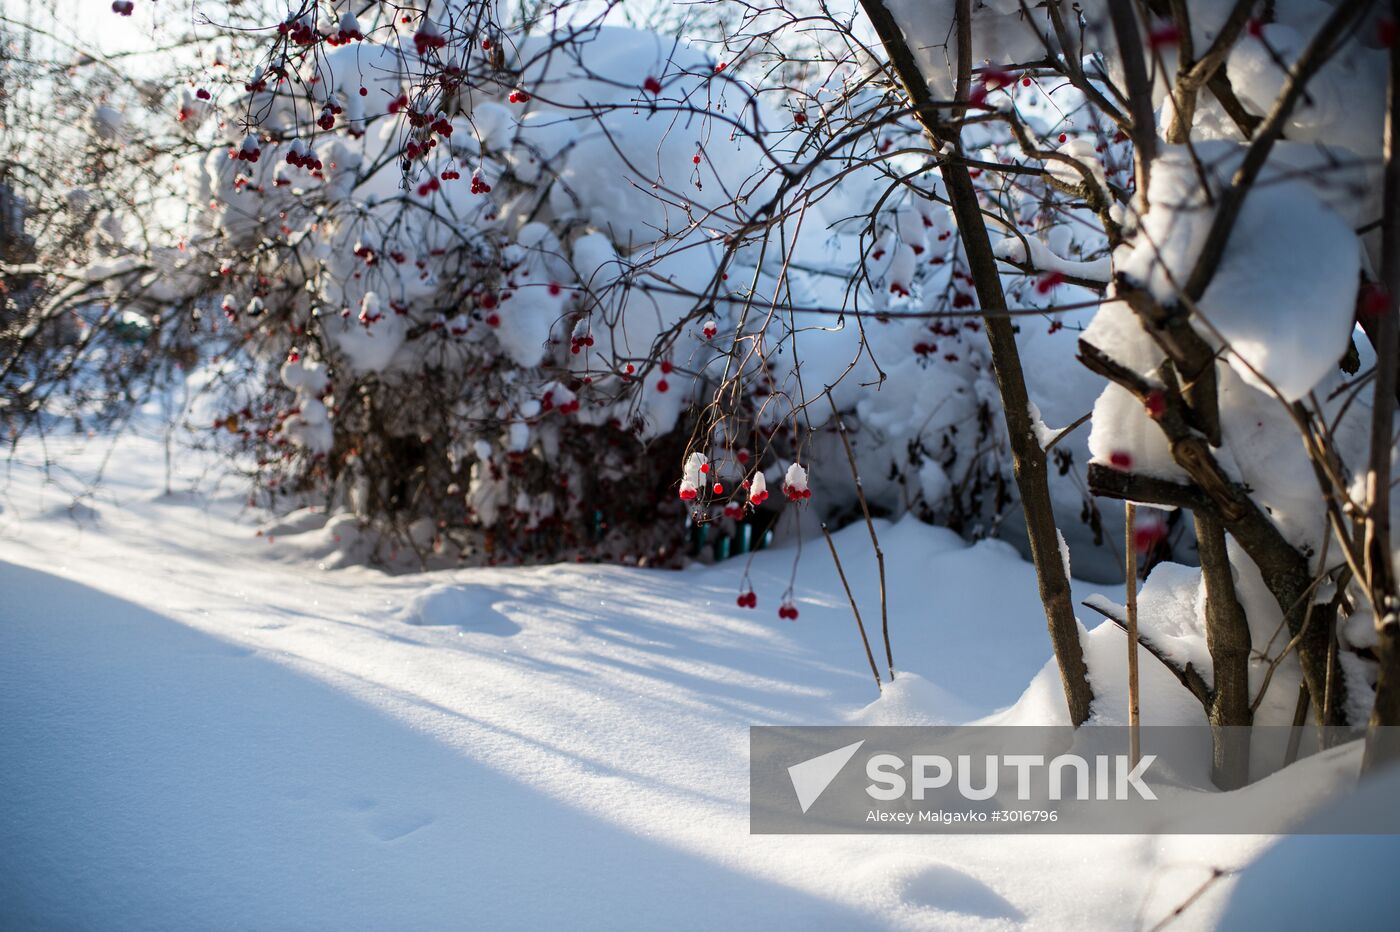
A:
{"points": [[913, 700], [472, 608]]}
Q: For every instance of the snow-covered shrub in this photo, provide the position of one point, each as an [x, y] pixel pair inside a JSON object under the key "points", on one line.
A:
{"points": [[484, 276]]}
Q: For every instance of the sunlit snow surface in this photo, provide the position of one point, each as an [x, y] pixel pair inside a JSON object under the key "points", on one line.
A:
{"points": [[199, 728]]}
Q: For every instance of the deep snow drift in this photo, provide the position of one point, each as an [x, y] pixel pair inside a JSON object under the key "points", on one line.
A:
{"points": [[200, 728]]}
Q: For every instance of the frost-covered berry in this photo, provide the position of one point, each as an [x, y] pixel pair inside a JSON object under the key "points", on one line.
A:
{"points": [[1146, 534], [427, 39], [758, 490], [995, 79], [251, 148], [696, 465], [795, 484], [710, 329]]}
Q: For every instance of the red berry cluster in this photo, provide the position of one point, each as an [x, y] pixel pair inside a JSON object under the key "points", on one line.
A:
{"points": [[429, 186], [787, 610], [518, 97], [1048, 281], [794, 494], [416, 149], [366, 253], [479, 186], [748, 599], [568, 407], [344, 37], [576, 344], [123, 7], [451, 174], [248, 152], [300, 31], [428, 39], [299, 159]]}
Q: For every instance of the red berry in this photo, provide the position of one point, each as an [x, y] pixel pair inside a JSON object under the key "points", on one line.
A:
{"points": [[1147, 534], [1049, 281], [651, 85], [1372, 300], [1064, 137], [1156, 404], [1164, 35], [663, 386], [1121, 459]]}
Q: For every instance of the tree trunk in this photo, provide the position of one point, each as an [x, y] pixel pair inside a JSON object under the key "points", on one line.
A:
{"points": [[1227, 637], [1383, 735], [1032, 475]]}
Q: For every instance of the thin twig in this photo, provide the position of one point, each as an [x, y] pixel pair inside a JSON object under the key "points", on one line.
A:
{"points": [[870, 525], [1130, 584], [854, 609]]}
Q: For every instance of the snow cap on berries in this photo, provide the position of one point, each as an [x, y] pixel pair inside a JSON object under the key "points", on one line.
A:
{"points": [[758, 489], [696, 465], [795, 483]]}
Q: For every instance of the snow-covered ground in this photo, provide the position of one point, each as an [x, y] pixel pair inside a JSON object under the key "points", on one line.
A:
{"points": [[200, 728]]}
